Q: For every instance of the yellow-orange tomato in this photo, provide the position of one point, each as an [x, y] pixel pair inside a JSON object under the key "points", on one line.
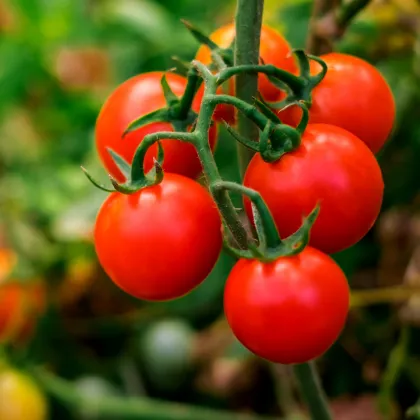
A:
{"points": [[7, 261], [274, 49], [20, 398]]}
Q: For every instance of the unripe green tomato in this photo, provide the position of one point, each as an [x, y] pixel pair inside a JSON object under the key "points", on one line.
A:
{"points": [[93, 388], [164, 352]]}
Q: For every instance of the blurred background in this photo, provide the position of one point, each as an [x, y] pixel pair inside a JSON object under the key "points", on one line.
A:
{"points": [[59, 59]]}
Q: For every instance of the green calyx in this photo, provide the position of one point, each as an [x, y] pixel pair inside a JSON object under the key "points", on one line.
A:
{"points": [[270, 246], [222, 57], [178, 111], [299, 92], [136, 179]]}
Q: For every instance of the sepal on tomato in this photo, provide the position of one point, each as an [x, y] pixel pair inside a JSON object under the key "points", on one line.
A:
{"points": [[136, 179], [160, 115], [270, 246], [224, 54], [300, 92]]}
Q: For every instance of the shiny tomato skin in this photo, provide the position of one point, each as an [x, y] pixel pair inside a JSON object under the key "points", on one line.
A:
{"points": [[353, 95], [331, 167], [135, 97], [161, 242], [274, 49], [289, 311]]}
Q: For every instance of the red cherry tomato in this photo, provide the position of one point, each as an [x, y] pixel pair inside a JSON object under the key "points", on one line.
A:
{"points": [[160, 242], [274, 49], [353, 95], [20, 306], [288, 311], [138, 96], [331, 167]]}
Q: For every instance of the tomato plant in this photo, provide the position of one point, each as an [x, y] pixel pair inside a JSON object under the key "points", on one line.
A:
{"points": [[331, 167], [134, 98], [353, 95], [288, 311], [160, 242], [274, 49], [20, 397]]}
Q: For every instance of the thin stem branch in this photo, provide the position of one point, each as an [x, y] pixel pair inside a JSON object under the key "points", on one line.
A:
{"points": [[329, 21], [128, 408], [247, 50], [313, 394], [349, 10], [385, 295]]}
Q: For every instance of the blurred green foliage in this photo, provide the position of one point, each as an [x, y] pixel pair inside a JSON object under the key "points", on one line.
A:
{"points": [[59, 60]]}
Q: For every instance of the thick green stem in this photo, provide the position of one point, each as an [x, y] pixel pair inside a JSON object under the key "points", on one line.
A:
{"points": [[313, 394], [128, 408], [247, 51], [266, 227], [211, 171]]}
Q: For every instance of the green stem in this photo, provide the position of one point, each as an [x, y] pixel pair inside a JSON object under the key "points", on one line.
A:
{"points": [[249, 112], [266, 227], [205, 154], [141, 408], [247, 51], [393, 370], [313, 394], [295, 83], [137, 170]]}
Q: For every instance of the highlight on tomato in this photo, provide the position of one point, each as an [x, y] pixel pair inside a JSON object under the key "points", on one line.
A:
{"points": [[290, 310], [160, 242], [21, 399], [274, 49], [137, 97], [353, 95], [331, 167]]}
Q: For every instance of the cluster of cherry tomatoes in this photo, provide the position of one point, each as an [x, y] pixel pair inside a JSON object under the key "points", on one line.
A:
{"points": [[162, 241]]}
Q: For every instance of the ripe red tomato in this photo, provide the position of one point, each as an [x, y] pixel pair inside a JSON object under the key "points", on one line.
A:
{"points": [[138, 96], [274, 49], [288, 311], [353, 95], [331, 167], [161, 242], [20, 306]]}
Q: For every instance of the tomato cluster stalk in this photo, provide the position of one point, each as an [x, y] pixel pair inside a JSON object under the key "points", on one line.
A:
{"points": [[276, 139], [274, 259]]}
